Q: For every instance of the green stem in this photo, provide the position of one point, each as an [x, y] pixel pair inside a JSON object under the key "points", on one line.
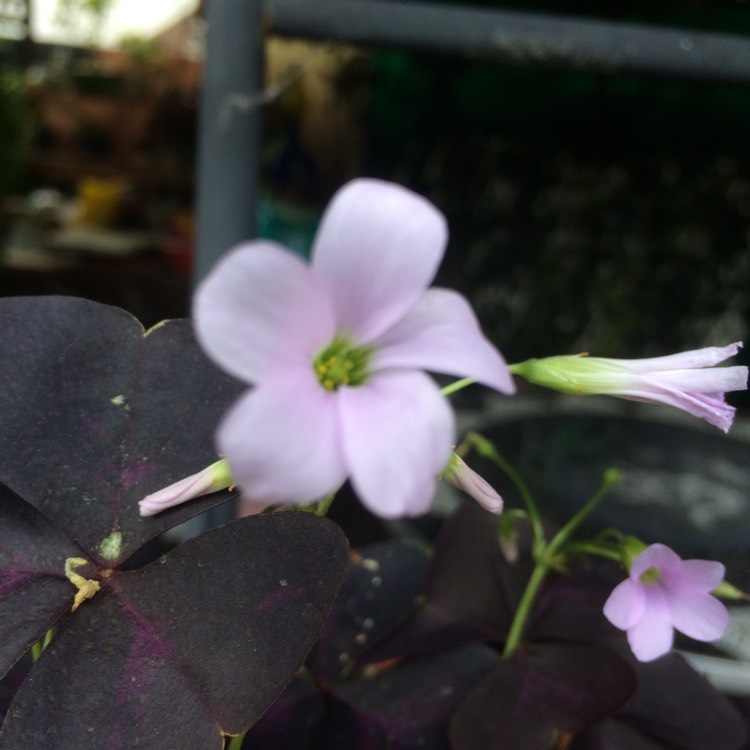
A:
{"points": [[524, 609], [456, 386], [486, 449], [591, 548], [544, 555], [323, 506], [235, 742], [611, 478]]}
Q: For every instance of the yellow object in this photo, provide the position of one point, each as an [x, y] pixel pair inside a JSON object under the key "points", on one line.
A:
{"points": [[86, 586], [99, 201]]}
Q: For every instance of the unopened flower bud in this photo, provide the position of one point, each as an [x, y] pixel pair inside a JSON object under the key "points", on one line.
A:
{"points": [[687, 381], [464, 478], [211, 479]]}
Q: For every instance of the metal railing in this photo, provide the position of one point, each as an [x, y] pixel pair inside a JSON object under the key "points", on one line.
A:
{"points": [[230, 123]]}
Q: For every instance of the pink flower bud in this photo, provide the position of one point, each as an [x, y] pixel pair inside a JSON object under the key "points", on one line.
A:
{"points": [[211, 479], [464, 478], [687, 381]]}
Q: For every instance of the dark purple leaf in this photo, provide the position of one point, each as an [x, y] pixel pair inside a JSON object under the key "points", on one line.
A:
{"points": [[407, 705], [34, 592], [551, 689], [204, 639], [292, 723], [381, 588], [676, 706], [571, 607], [468, 576], [95, 414], [470, 590], [614, 735], [500, 713], [577, 684]]}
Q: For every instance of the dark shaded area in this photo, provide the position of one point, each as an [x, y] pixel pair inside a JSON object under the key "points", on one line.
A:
{"points": [[587, 212], [408, 660]]}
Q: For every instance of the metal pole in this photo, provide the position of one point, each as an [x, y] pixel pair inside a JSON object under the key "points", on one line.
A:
{"points": [[229, 129], [521, 38]]}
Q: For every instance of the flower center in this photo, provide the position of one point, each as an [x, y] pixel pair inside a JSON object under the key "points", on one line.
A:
{"points": [[342, 363], [650, 576]]}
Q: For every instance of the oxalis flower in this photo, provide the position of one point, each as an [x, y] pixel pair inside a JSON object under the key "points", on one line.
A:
{"points": [[335, 351], [665, 593], [687, 381]]}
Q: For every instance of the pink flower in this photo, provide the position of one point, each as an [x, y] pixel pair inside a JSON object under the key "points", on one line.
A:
{"points": [[664, 593], [335, 351], [687, 381]]}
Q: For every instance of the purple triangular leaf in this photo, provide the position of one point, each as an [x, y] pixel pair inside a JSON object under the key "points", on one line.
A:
{"points": [[678, 707], [381, 588], [407, 705], [468, 576], [202, 640], [550, 689]]}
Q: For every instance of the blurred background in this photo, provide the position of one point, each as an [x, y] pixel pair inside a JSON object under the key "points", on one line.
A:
{"points": [[590, 209], [595, 211]]}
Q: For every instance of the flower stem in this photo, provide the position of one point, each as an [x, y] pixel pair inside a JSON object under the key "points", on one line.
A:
{"points": [[524, 609], [485, 448], [591, 548], [611, 478], [544, 555], [323, 506], [235, 741], [456, 386]]}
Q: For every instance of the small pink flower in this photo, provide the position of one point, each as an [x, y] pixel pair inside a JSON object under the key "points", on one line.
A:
{"points": [[687, 381], [665, 593], [335, 350]]}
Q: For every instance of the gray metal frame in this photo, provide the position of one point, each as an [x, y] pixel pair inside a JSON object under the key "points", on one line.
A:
{"points": [[230, 123]]}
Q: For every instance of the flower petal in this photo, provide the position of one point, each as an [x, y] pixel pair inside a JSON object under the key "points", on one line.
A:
{"points": [[282, 441], [655, 556], [710, 407], [397, 436], [699, 616], [652, 636], [707, 380], [377, 250], [625, 604], [262, 309], [706, 357], [441, 334], [701, 575]]}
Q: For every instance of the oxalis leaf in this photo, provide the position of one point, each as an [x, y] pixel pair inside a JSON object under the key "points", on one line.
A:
{"points": [[198, 643], [95, 413]]}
